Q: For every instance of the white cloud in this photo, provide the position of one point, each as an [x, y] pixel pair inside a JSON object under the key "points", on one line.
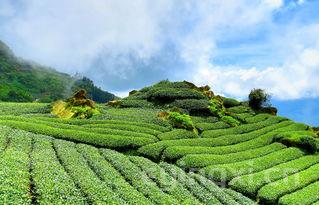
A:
{"points": [[71, 35], [293, 80]]}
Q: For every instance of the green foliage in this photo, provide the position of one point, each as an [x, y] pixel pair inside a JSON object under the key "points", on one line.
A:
{"points": [[252, 139], [164, 180], [231, 121], [53, 184], [226, 172], [181, 121], [194, 106], [204, 126], [251, 183], [191, 184], [177, 134], [111, 176], [230, 102], [258, 98], [273, 191], [245, 128], [23, 81], [104, 140], [307, 195], [94, 93], [137, 178], [97, 191], [305, 140], [216, 106], [203, 160], [14, 172], [75, 107], [136, 103]]}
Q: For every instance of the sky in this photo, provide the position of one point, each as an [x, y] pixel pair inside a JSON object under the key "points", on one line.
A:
{"points": [[231, 45]]}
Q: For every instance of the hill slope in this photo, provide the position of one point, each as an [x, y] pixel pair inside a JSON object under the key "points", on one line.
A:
{"points": [[23, 81], [133, 156]]}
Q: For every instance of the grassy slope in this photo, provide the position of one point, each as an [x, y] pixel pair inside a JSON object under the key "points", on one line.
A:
{"points": [[23, 81]]}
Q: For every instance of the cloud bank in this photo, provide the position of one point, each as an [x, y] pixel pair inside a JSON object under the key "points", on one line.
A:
{"points": [[233, 45]]}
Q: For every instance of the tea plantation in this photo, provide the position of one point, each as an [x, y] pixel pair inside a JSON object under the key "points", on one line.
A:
{"points": [[128, 154]]}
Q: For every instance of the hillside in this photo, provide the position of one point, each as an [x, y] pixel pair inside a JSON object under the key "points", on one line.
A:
{"points": [[138, 150], [23, 81]]}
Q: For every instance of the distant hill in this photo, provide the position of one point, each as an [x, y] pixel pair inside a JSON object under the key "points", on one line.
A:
{"points": [[25, 81]]}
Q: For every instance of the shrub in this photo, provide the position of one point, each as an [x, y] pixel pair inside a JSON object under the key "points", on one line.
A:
{"points": [[231, 121], [75, 107], [136, 103], [14, 172], [193, 106], [164, 180], [203, 160], [304, 140], [181, 120], [273, 191], [216, 106], [205, 126], [177, 134], [258, 98], [307, 195], [109, 174], [49, 176], [191, 184], [226, 172], [137, 178], [230, 102], [76, 166], [251, 183]]}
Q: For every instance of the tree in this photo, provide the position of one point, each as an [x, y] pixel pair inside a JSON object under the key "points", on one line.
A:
{"points": [[258, 98]]}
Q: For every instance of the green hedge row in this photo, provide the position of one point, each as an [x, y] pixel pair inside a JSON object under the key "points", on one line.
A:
{"points": [[192, 105], [251, 183], [226, 172], [219, 193], [132, 128], [230, 102], [96, 191], [53, 184], [115, 122], [240, 109], [164, 180], [81, 128], [174, 93], [105, 140], [258, 118], [307, 195], [205, 119], [203, 160], [14, 172], [111, 176], [136, 103], [246, 128], [273, 191], [191, 184], [11, 108], [212, 126], [154, 150], [3, 137], [241, 199], [137, 178], [176, 151], [177, 134]]}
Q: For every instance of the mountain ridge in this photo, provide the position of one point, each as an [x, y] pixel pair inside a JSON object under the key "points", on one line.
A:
{"points": [[26, 81]]}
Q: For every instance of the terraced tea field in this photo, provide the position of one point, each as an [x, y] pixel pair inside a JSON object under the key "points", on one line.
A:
{"points": [[130, 156]]}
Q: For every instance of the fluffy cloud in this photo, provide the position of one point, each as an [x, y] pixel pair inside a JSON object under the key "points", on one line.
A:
{"points": [[127, 44]]}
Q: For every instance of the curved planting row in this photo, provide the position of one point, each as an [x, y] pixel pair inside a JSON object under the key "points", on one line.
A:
{"points": [[155, 150], [246, 128], [203, 160], [105, 140]]}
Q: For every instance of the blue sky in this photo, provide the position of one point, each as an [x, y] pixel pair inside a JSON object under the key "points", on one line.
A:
{"points": [[232, 45]]}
